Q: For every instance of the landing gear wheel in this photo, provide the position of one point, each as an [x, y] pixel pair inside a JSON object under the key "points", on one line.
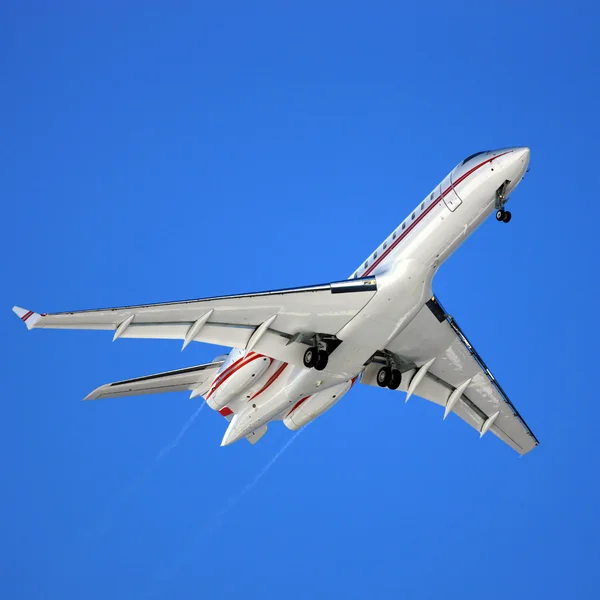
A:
{"points": [[500, 215], [311, 356], [384, 376], [322, 360], [507, 216], [395, 379]]}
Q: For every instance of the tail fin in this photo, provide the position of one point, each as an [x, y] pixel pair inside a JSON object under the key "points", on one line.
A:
{"points": [[28, 317]]}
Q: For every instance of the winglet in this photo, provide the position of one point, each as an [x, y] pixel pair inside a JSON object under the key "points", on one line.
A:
{"points": [[28, 317]]}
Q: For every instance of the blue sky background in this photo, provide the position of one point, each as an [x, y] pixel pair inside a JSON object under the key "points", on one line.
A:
{"points": [[160, 151]]}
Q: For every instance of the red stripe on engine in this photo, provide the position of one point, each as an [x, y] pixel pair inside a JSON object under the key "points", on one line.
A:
{"points": [[298, 404], [233, 365], [230, 371], [225, 412], [271, 380]]}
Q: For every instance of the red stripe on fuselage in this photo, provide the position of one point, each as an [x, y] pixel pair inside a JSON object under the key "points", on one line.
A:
{"points": [[426, 212]]}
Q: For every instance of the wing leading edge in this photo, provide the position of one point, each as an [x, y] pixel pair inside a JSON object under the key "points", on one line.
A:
{"points": [[444, 368]]}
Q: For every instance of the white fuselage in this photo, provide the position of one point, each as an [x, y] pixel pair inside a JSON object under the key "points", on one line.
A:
{"points": [[404, 266]]}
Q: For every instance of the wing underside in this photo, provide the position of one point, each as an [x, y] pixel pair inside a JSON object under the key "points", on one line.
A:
{"points": [[442, 366], [265, 321]]}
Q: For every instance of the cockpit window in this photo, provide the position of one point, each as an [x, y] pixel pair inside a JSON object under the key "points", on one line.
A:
{"points": [[473, 156]]}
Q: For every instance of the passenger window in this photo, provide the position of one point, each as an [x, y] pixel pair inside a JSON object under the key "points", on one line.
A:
{"points": [[422, 205], [394, 236], [374, 255], [413, 216], [366, 264], [403, 225], [431, 197], [384, 245]]}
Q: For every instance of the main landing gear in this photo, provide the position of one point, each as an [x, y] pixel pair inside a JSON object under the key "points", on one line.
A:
{"points": [[502, 215], [389, 377], [321, 345], [315, 357]]}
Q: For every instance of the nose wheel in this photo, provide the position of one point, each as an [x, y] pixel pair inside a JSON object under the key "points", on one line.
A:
{"points": [[503, 215]]}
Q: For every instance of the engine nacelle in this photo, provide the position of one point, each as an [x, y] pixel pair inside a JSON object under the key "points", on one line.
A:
{"points": [[236, 378], [307, 410]]}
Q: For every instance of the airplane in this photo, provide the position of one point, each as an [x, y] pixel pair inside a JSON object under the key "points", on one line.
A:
{"points": [[296, 352]]}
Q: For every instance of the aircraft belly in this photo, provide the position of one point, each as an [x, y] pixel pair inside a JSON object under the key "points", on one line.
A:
{"points": [[401, 293]]}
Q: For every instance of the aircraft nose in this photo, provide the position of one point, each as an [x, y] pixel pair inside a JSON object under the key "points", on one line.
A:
{"points": [[517, 163], [522, 155]]}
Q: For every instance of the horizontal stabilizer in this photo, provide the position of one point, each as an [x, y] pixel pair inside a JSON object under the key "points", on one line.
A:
{"points": [[191, 378], [28, 317]]}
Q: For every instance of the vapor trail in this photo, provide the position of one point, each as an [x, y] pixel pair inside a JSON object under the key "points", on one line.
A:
{"points": [[232, 502], [176, 441], [166, 574], [106, 522]]}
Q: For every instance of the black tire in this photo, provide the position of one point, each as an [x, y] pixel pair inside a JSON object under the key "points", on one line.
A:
{"points": [[500, 214], [383, 376], [507, 216], [322, 360], [311, 356], [395, 379]]}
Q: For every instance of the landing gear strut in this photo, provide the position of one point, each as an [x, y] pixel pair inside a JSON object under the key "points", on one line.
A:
{"points": [[502, 215]]}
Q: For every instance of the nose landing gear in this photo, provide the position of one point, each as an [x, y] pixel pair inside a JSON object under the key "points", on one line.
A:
{"points": [[502, 215]]}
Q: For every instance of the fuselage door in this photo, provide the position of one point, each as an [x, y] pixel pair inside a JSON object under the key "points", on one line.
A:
{"points": [[450, 196]]}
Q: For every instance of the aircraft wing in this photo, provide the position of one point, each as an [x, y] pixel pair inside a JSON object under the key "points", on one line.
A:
{"points": [[441, 365], [264, 321], [192, 378]]}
